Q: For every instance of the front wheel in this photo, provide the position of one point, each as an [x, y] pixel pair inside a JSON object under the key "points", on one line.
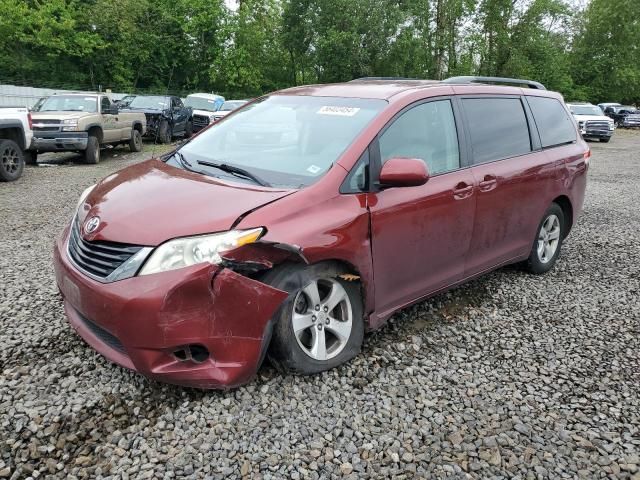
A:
{"points": [[92, 153], [548, 241], [11, 161], [164, 132], [320, 325], [188, 131], [135, 142]]}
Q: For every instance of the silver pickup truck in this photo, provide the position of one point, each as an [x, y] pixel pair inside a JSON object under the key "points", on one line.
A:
{"points": [[85, 122]]}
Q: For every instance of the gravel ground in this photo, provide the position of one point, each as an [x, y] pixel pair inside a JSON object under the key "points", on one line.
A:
{"points": [[509, 376]]}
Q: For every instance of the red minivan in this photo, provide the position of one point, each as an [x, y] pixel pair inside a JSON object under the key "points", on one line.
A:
{"points": [[311, 215]]}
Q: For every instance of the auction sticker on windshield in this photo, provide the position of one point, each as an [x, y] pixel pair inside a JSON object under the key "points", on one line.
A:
{"points": [[342, 111]]}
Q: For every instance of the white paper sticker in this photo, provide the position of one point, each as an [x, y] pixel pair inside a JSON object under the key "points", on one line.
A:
{"points": [[90, 99], [341, 111], [314, 169]]}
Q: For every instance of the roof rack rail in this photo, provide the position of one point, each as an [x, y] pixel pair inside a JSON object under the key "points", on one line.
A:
{"points": [[381, 78], [499, 80]]}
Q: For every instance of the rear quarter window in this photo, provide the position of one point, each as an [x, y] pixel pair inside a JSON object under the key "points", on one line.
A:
{"points": [[498, 128], [554, 124]]}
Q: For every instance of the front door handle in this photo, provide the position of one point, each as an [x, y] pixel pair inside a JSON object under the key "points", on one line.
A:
{"points": [[488, 183], [462, 190]]}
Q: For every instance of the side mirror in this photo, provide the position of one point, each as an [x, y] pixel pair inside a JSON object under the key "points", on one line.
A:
{"points": [[403, 172]]}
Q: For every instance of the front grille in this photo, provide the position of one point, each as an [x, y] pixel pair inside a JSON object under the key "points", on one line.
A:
{"points": [[200, 121], [104, 336], [43, 125], [597, 126], [99, 259]]}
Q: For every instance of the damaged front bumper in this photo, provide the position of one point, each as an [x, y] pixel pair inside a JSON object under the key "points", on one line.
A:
{"points": [[151, 323]]}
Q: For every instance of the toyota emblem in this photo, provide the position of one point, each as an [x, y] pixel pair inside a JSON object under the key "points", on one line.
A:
{"points": [[91, 225]]}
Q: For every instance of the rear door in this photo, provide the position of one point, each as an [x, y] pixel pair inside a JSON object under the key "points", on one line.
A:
{"points": [[512, 175], [421, 235]]}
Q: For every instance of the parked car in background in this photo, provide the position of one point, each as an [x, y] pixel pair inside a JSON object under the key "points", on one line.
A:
{"points": [[227, 107], [625, 116], [592, 122], [603, 106], [15, 139], [374, 194], [204, 105], [167, 117], [84, 122]]}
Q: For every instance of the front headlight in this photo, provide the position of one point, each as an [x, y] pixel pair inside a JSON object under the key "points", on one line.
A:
{"points": [[70, 125], [84, 195], [184, 252]]}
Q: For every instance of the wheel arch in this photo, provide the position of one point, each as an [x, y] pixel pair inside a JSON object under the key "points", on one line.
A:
{"points": [[14, 133], [567, 209], [96, 131]]}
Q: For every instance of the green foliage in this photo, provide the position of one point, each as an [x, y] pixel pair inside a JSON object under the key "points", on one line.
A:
{"points": [[263, 45]]}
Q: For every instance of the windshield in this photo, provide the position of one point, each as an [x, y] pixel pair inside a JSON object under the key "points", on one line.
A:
{"points": [[201, 103], [586, 110], [69, 103], [153, 103], [288, 141], [232, 105]]}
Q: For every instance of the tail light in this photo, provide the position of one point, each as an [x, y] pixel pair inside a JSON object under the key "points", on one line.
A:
{"points": [[587, 156], [30, 119]]}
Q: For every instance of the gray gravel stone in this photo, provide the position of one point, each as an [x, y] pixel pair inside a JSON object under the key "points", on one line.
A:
{"points": [[510, 376]]}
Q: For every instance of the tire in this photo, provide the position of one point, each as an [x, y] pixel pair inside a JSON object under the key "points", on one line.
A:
{"points": [[548, 241], [293, 353], [11, 161], [164, 132], [92, 153], [605, 140], [135, 142], [31, 157], [188, 130]]}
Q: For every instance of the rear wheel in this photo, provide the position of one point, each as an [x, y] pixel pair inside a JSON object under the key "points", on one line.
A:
{"points": [[92, 153], [548, 241], [320, 325], [135, 142], [11, 161]]}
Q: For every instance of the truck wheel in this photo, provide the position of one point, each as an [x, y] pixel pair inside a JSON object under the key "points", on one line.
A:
{"points": [[92, 153], [188, 131], [31, 157], [164, 132], [135, 143], [11, 161]]}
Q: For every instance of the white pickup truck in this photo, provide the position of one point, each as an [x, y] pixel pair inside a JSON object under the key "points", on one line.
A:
{"points": [[15, 139]]}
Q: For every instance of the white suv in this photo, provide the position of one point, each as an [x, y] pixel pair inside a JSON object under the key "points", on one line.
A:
{"points": [[592, 121]]}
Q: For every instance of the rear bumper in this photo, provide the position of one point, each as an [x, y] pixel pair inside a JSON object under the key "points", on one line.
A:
{"points": [[139, 323], [59, 141]]}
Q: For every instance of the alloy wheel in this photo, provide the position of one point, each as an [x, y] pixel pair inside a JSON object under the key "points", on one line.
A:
{"points": [[10, 160], [548, 238], [322, 318]]}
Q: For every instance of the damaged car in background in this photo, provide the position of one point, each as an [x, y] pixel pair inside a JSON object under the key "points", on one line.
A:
{"points": [[167, 117], [311, 215]]}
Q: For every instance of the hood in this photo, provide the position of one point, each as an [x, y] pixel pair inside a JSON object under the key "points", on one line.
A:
{"points": [[146, 111], [583, 118], [204, 113], [57, 115], [151, 202]]}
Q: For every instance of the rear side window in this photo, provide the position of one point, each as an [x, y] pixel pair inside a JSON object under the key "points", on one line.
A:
{"points": [[554, 125], [426, 131], [498, 128]]}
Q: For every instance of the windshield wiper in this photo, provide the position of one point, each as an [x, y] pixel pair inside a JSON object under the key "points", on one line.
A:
{"points": [[184, 162], [237, 171]]}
